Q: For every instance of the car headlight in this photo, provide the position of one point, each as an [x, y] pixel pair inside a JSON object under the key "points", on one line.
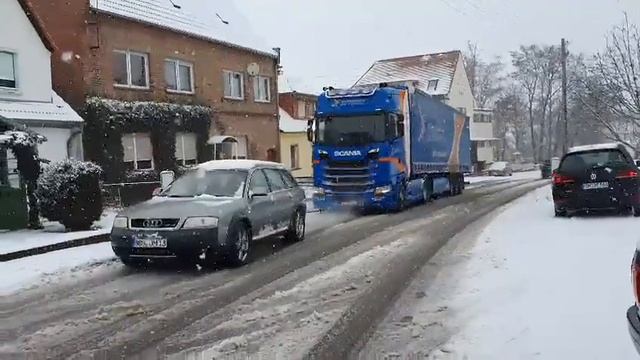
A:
{"points": [[200, 222], [120, 222], [382, 190]]}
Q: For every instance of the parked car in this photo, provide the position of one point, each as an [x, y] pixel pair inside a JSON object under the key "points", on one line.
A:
{"points": [[545, 169], [499, 168], [596, 177], [633, 315], [215, 209]]}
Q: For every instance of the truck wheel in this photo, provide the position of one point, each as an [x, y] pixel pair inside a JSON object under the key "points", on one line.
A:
{"points": [[401, 198], [427, 191]]}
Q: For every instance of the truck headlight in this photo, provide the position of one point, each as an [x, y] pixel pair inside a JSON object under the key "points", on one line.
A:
{"points": [[121, 222], [200, 222], [382, 190]]}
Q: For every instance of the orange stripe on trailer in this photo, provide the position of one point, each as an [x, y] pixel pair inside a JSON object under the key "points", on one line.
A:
{"points": [[395, 161], [316, 162]]}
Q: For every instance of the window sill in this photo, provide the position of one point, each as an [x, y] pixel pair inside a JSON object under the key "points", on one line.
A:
{"points": [[180, 92], [131, 87], [234, 98], [263, 101], [9, 90]]}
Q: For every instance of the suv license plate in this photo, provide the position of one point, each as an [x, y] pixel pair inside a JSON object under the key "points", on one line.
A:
{"points": [[596, 185], [149, 243]]}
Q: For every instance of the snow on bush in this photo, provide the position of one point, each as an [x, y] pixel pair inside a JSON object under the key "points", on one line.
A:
{"points": [[69, 192], [15, 138]]}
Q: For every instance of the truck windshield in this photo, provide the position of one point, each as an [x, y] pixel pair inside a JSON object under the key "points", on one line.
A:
{"points": [[355, 130]]}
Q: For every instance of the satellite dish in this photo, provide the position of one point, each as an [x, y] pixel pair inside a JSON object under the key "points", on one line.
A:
{"points": [[253, 69]]}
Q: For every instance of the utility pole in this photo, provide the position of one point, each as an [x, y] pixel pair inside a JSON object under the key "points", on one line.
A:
{"points": [[563, 49]]}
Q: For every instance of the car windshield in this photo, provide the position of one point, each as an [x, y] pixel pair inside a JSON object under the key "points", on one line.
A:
{"points": [[591, 159], [221, 183], [353, 130]]}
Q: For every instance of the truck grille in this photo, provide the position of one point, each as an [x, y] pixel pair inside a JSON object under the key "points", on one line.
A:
{"points": [[154, 223], [352, 176]]}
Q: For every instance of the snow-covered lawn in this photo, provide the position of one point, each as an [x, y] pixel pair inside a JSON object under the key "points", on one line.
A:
{"points": [[525, 175], [53, 267], [539, 287], [52, 233]]}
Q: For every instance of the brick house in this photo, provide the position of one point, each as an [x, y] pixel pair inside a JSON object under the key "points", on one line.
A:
{"points": [[180, 52]]}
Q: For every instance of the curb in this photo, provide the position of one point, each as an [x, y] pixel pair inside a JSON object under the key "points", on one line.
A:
{"points": [[95, 239], [347, 336]]}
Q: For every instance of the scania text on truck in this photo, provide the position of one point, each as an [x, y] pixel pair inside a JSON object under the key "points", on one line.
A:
{"points": [[383, 147]]}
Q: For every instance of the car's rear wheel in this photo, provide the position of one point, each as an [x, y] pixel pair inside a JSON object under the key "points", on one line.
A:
{"points": [[561, 213], [239, 245], [297, 227]]}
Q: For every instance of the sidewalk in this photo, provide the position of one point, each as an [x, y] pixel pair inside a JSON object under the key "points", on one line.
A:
{"points": [[17, 244]]}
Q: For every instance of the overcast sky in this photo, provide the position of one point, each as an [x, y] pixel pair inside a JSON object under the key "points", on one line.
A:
{"points": [[332, 42]]}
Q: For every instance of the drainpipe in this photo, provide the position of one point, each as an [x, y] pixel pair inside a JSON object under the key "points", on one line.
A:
{"points": [[277, 96]]}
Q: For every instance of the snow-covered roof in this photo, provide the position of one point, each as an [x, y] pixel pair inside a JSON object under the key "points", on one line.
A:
{"points": [[55, 111], [235, 164], [290, 125], [606, 146], [420, 68], [218, 21], [289, 84]]}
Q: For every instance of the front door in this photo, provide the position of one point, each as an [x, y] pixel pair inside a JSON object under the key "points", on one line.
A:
{"points": [[283, 200], [260, 207]]}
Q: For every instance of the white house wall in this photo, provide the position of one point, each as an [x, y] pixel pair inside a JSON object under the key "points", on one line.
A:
{"points": [[460, 95], [33, 63], [481, 130], [55, 148]]}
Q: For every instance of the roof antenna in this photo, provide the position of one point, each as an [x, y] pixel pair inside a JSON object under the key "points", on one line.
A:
{"points": [[221, 19], [175, 5]]}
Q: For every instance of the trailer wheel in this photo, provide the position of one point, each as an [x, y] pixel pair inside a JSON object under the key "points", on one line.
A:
{"points": [[401, 198]]}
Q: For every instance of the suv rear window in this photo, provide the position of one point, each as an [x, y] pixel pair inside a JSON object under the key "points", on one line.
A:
{"points": [[587, 160]]}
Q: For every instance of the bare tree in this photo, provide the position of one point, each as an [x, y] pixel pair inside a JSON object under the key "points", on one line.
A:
{"points": [[486, 78], [471, 59], [612, 86], [527, 75]]}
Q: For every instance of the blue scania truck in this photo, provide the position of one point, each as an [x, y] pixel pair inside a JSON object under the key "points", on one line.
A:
{"points": [[385, 147]]}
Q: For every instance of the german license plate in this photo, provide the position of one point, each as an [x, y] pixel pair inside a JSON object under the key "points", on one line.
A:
{"points": [[147, 243], [596, 185]]}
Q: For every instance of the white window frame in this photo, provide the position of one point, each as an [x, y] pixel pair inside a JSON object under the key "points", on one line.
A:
{"points": [[183, 161], [178, 63], [135, 152], [257, 81], [128, 54], [15, 71], [302, 108], [225, 75]]}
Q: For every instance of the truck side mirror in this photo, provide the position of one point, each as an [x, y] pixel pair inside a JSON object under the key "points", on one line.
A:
{"points": [[310, 130]]}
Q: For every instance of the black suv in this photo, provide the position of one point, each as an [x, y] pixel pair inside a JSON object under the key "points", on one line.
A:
{"points": [[596, 177]]}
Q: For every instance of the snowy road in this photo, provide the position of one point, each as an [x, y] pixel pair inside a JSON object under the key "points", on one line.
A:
{"points": [[279, 305], [522, 285]]}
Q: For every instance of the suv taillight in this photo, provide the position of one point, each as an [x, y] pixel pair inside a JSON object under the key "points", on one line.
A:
{"points": [[627, 174], [561, 179], [635, 280]]}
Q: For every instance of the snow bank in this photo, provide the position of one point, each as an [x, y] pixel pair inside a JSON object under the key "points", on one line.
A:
{"points": [[542, 287]]}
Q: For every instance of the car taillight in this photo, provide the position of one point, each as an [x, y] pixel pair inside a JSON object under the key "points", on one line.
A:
{"points": [[627, 174], [635, 280], [561, 179]]}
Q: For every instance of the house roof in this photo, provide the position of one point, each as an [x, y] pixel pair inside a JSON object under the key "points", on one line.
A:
{"points": [[290, 125], [37, 24], [217, 21], [288, 84], [420, 68], [55, 111]]}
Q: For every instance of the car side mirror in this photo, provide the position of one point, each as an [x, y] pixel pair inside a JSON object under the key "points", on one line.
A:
{"points": [[310, 130], [166, 179], [638, 163], [258, 192]]}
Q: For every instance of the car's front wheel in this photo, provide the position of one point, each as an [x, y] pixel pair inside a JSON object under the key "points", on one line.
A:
{"points": [[238, 244], [297, 226]]}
